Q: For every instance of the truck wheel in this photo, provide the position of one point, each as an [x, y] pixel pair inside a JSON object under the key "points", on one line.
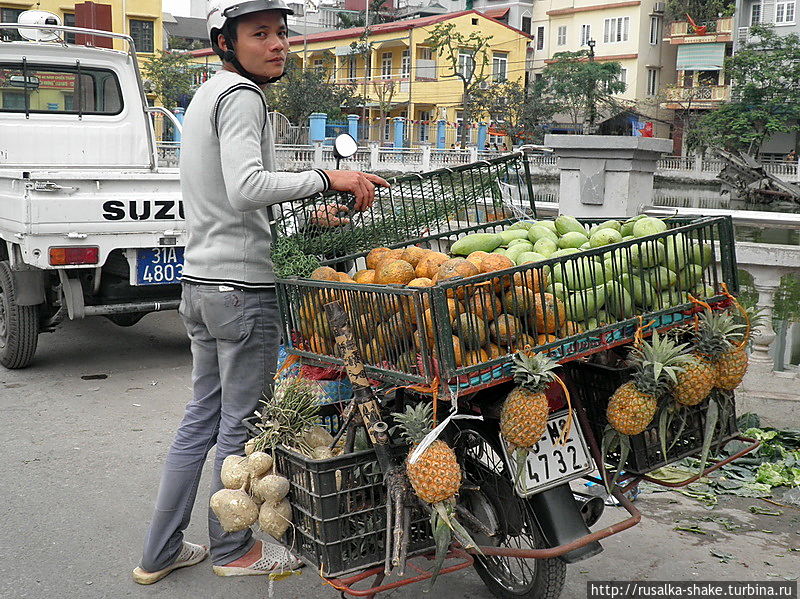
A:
{"points": [[19, 325]]}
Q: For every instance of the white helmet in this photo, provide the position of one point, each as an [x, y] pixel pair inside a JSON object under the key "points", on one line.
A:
{"points": [[219, 11]]}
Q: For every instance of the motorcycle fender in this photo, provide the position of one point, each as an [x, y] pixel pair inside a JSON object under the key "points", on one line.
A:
{"points": [[560, 521]]}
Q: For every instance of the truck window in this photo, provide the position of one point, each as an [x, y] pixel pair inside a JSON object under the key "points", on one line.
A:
{"points": [[70, 89]]}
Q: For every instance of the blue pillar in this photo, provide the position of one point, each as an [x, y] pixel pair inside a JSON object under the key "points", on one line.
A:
{"points": [[316, 126], [352, 125], [399, 126], [482, 136], [440, 133], [178, 112]]}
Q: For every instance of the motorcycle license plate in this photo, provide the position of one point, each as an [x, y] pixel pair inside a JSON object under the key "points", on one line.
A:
{"points": [[549, 463], [159, 266]]}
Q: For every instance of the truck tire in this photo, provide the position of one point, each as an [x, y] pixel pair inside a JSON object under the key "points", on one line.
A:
{"points": [[19, 325]]}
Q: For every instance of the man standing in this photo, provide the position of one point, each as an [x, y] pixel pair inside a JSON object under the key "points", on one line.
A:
{"points": [[229, 306]]}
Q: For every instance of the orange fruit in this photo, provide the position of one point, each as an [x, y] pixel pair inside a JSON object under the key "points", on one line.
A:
{"points": [[324, 273], [493, 351], [366, 275], [413, 255], [532, 279], [543, 339], [393, 272], [483, 303], [429, 264], [475, 357], [374, 257], [493, 262], [477, 257], [546, 313]]}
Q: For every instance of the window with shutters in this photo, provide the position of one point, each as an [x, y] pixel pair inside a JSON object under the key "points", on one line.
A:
{"points": [[405, 64], [499, 67], [526, 25], [142, 34], [540, 38], [616, 29], [561, 39], [386, 65], [755, 13], [785, 12], [586, 34], [424, 124], [10, 15], [466, 64], [652, 82], [655, 29], [623, 78], [352, 67], [69, 21]]}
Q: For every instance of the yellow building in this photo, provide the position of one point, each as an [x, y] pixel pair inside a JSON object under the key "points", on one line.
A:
{"points": [[402, 76], [141, 19], [630, 32]]}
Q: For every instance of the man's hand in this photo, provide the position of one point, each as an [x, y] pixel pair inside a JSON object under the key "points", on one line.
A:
{"points": [[361, 185], [328, 216]]}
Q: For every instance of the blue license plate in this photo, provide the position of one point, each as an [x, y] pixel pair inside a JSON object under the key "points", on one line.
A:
{"points": [[159, 266]]}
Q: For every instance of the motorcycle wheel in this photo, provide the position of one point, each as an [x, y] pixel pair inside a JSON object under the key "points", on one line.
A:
{"points": [[510, 518]]}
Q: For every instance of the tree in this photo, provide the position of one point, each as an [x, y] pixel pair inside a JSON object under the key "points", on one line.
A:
{"points": [[581, 86], [699, 10], [468, 59], [171, 74], [384, 90], [765, 76], [522, 113], [377, 14], [301, 92]]}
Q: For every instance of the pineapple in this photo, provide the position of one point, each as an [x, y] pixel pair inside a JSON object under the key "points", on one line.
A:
{"points": [[523, 418], [634, 404], [716, 343], [695, 382], [436, 475], [436, 478]]}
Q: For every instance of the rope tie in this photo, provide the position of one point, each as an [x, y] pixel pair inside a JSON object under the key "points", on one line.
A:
{"points": [[743, 312], [700, 303], [637, 336], [564, 436]]}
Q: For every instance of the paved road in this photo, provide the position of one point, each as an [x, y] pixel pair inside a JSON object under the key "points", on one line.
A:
{"points": [[81, 459]]}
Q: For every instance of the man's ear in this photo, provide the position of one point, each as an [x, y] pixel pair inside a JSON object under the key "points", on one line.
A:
{"points": [[222, 42]]}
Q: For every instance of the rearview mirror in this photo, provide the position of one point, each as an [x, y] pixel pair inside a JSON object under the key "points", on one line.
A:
{"points": [[344, 146]]}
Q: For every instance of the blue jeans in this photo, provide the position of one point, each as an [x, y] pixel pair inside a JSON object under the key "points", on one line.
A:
{"points": [[235, 337]]}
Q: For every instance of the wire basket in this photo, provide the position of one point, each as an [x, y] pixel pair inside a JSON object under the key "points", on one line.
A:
{"points": [[594, 384], [463, 331]]}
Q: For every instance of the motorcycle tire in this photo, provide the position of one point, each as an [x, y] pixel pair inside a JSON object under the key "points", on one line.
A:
{"points": [[508, 516]]}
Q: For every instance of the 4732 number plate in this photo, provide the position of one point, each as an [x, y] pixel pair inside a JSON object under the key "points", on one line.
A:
{"points": [[549, 463]]}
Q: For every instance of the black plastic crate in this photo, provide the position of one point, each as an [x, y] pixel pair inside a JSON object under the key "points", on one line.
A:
{"points": [[594, 384], [339, 507]]}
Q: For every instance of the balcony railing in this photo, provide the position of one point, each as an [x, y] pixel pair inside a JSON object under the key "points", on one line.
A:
{"points": [[718, 26], [426, 70], [705, 93]]}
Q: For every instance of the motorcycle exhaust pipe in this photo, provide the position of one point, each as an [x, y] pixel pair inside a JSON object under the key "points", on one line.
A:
{"points": [[590, 506]]}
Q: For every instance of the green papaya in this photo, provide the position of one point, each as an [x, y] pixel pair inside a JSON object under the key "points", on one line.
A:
{"points": [[474, 242]]}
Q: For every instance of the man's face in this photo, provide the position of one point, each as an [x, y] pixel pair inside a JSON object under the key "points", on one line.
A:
{"points": [[261, 43]]}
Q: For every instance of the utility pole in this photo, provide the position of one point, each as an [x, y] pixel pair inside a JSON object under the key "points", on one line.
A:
{"points": [[590, 96]]}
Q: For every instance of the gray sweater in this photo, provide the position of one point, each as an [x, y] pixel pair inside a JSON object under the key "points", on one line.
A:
{"points": [[228, 179]]}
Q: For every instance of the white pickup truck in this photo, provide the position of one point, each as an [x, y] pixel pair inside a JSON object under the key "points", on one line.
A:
{"points": [[89, 224]]}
